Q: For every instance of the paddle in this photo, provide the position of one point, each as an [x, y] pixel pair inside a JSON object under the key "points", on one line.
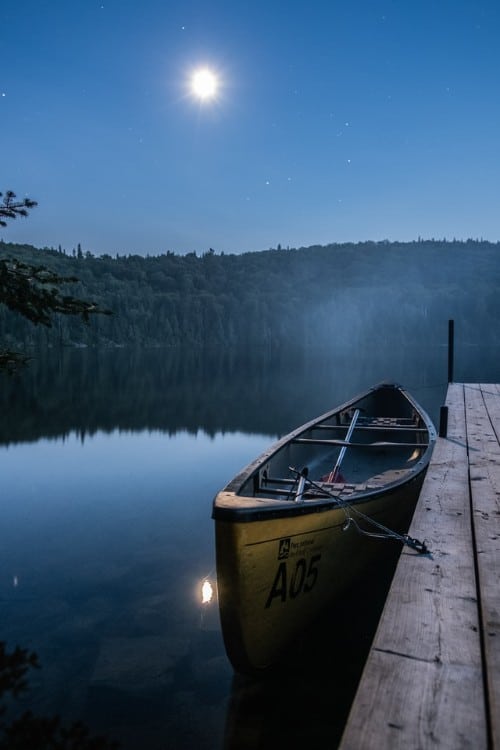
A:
{"points": [[332, 476]]}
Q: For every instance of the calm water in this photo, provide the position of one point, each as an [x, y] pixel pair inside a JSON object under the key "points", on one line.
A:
{"points": [[109, 465]]}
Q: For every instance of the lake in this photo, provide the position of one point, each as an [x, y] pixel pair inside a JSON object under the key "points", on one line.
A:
{"points": [[110, 461]]}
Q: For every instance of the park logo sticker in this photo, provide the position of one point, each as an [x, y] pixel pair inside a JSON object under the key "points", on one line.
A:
{"points": [[284, 549]]}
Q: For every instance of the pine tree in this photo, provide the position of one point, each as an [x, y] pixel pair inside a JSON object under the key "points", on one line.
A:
{"points": [[11, 207]]}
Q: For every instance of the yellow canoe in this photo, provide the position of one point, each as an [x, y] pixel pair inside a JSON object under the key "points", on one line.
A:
{"points": [[292, 529]]}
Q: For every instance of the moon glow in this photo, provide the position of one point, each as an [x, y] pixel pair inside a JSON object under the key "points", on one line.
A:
{"points": [[204, 84]]}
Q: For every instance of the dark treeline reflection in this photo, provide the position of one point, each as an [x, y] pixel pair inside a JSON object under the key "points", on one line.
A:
{"points": [[215, 390]]}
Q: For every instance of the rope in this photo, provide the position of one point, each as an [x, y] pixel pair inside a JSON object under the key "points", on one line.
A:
{"points": [[349, 509]]}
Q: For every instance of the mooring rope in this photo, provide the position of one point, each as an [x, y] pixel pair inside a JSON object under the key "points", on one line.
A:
{"points": [[349, 509]]}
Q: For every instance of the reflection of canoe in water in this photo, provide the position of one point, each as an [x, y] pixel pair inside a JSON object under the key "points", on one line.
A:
{"points": [[286, 526]]}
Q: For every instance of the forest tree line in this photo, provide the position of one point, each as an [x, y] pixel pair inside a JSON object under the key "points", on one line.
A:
{"points": [[327, 295]]}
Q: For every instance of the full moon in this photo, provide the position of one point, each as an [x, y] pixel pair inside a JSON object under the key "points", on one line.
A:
{"points": [[204, 84]]}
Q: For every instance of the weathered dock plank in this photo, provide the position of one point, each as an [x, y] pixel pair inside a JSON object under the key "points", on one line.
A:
{"points": [[423, 686], [483, 430]]}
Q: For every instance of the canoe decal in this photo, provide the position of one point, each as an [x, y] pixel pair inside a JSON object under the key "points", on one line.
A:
{"points": [[284, 548], [297, 573]]}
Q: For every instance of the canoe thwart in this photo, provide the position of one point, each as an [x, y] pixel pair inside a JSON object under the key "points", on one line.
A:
{"points": [[378, 444]]}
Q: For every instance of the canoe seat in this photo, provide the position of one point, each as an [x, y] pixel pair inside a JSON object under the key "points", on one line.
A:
{"points": [[278, 480]]}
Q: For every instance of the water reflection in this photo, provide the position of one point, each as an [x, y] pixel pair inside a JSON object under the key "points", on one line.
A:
{"points": [[109, 464], [216, 391], [207, 592], [109, 543]]}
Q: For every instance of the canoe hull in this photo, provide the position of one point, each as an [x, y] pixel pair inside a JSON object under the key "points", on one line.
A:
{"points": [[275, 577], [279, 562]]}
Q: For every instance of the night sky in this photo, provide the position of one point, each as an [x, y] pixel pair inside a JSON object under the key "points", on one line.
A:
{"points": [[333, 121]]}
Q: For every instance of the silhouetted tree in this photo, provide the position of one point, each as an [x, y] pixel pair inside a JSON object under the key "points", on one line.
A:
{"points": [[33, 291], [30, 732], [11, 207]]}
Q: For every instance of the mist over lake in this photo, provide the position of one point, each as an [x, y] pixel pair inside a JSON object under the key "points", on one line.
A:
{"points": [[110, 461]]}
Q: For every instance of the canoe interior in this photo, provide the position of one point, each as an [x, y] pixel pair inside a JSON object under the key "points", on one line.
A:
{"points": [[390, 441]]}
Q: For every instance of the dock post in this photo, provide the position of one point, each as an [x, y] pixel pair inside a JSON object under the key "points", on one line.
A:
{"points": [[451, 349], [443, 422]]}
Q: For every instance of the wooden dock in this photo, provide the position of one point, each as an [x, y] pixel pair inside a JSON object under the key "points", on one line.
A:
{"points": [[432, 678]]}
